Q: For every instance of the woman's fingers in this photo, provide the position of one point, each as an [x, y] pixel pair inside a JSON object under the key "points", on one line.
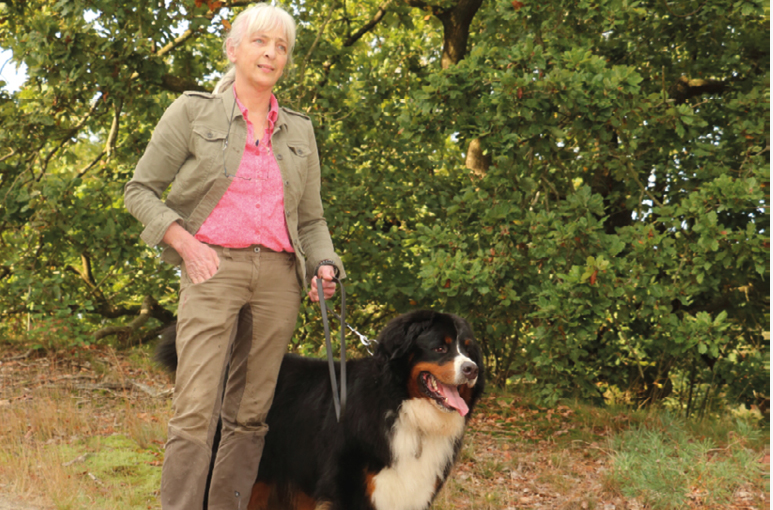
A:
{"points": [[201, 261]]}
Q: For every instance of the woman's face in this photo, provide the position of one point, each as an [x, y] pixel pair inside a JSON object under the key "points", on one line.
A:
{"points": [[260, 58]]}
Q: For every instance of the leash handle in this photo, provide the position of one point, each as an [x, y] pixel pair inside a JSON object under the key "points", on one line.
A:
{"points": [[338, 401]]}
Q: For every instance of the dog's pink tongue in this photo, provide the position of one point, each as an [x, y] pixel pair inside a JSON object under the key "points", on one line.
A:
{"points": [[453, 399]]}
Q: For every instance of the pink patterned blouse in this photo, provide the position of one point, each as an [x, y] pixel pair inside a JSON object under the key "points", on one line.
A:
{"points": [[252, 209]]}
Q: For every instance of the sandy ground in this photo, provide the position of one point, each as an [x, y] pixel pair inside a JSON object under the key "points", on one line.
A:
{"points": [[14, 504]]}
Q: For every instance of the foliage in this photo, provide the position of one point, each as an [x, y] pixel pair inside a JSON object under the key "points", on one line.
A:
{"points": [[587, 182]]}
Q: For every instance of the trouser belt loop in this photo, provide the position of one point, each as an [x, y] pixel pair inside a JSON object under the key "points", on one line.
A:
{"points": [[227, 252]]}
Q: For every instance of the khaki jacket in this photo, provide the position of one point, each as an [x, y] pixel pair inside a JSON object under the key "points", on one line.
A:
{"points": [[186, 151]]}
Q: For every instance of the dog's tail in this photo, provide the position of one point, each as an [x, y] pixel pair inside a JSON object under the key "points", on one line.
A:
{"points": [[166, 352]]}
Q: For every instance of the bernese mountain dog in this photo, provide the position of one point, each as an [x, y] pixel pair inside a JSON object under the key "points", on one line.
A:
{"points": [[401, 430]]}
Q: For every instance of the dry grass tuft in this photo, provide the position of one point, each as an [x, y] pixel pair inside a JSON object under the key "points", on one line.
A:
{"points": [[73, 438]]}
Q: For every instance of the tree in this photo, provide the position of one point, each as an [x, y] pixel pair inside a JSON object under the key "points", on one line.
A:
{"points": [[587, 182]]}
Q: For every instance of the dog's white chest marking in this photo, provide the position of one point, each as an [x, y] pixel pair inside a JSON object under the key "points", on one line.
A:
{"points": [[423, 441]]}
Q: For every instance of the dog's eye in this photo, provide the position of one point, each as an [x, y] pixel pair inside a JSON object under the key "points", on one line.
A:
{"points": [[442, 349]]}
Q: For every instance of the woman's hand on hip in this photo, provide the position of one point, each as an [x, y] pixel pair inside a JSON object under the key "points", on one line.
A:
{"points": [[325, 274], [201, 261]]}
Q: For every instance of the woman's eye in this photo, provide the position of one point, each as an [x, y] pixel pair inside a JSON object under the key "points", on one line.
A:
{"points": [[281, 49]]}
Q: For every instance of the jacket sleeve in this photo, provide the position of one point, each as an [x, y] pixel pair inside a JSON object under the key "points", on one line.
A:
{"points": [[313, 231], [167, 151]]}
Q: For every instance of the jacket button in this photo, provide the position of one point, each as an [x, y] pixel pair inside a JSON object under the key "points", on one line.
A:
{"points": [[210, 135], [279, 157]]}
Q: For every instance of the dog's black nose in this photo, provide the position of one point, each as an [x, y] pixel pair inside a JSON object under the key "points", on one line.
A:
{"points": [[470, 370]]}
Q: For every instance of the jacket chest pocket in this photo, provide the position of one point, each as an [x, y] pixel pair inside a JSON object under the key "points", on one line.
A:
{"points": [[201, 169], [296, 164], [208, 146]]}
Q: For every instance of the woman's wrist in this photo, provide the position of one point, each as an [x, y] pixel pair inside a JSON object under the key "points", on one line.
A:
{"points": [[327, 262], [178, 238]]}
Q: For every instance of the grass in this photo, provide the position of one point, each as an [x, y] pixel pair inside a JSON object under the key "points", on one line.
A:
{"points": [[76, 434], [577, 456], [77, 455], [666, 465], [70, 440]]}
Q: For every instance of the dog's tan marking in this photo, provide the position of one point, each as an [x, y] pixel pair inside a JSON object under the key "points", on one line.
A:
{"points": [[261, 492], [370, 484], [445, 373], [305, 502]]}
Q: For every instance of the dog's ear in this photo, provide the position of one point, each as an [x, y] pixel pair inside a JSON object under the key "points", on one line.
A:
{"points": [[399, 336]]}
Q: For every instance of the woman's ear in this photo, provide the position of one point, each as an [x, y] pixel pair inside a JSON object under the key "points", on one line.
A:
{"points": [[230, 50]]}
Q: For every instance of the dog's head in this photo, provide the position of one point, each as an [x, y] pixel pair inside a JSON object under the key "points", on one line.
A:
{"points": [[438, 356]]}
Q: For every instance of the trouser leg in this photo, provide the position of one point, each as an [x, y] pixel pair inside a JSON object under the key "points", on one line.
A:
{"points": [[265, 329], [207, 314]]}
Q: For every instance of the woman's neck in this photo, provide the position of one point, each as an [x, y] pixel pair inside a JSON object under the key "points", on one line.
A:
{"points": [[257, 102]]}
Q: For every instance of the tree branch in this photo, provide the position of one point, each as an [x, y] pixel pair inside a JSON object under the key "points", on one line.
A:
{"points": [[90, 165], [418, 4], [456, 27], [380, 13], [169, 81], [11, 154], [685, 88], [145, 313], [456, 30], [68, 136], [149, 309], [370, 25], [87, 275], [305, 61], [105, 308], [177, 84], [111, 138], [182, 39]]}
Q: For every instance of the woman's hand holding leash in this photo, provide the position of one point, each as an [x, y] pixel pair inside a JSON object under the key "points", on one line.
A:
{"points": [[326, 274]]}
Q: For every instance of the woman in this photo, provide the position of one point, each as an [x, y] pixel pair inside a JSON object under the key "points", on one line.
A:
{"points": [[245, 220]]}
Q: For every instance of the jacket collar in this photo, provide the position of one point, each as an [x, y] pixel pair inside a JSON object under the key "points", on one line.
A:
{"points": [[281, 119], [229, 104]]}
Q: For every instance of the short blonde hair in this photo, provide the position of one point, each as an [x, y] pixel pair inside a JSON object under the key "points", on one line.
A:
{"points": [[255, 18]]}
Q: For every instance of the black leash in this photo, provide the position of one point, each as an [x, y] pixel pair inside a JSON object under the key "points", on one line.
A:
{"points": [[339, 402]]}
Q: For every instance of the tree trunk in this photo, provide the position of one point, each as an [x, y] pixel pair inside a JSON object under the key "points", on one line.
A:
{"points": [[476, 160]]}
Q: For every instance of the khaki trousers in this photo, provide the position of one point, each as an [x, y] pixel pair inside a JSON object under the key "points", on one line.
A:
{"points": [[257, 289]]}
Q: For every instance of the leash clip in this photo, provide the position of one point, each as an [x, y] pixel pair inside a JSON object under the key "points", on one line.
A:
{"points": [[339, 400], [364, 340]]}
